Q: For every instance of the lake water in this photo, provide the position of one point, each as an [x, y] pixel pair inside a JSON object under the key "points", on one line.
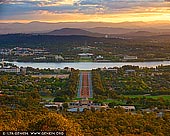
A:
{"points": [[88, 65]]}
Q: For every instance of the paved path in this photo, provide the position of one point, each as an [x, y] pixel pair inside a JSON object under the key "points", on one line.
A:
{"points": [[85, 86]]}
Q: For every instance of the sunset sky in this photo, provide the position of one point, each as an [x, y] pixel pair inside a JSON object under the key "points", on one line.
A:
{"points": [[84, 10]]}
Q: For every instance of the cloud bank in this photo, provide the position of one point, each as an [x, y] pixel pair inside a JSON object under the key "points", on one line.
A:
{"points": [[84, 10]]}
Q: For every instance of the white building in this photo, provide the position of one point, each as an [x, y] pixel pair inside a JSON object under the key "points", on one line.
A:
{"points": [[85, 55], [127, 108], [39, 58], [130, 71], [59, 57], [10, 69], [130, 57], [99, 57]]}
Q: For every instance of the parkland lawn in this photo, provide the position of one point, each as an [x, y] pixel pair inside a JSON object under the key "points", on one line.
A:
{"points": [[166, 97]]}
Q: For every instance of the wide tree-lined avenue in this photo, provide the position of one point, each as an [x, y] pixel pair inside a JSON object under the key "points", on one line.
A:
{"points": [[85, 85]]}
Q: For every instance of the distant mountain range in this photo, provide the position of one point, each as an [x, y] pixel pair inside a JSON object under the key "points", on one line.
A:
{"points": [[139, 34], [91, 33], [111, 30], [94, 27], [73, 31]]}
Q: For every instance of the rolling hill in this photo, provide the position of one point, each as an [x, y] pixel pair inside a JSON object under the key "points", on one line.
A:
{"points": [[73, 31], [94, 27]]}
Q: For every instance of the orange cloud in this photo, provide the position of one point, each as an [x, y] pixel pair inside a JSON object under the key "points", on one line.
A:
{"points": [[53, 11], [136, 15]]}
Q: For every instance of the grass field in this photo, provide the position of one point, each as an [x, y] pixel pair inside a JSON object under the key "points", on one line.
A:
{"points": [[81, 99], [77, 99], [119, 102], [85, 60], [166, 97], [48, 98]]}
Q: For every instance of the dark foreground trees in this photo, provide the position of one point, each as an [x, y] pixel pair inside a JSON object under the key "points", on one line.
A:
{"points": [[116, 122], [97, 84], [36, 120], [73, 81], [113, 122]]}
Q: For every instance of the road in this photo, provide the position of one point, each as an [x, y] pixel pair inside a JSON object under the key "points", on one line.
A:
{"points": [[85, 85]]}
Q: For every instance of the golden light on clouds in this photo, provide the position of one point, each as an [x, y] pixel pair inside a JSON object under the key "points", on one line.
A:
{"points": [[48, 3], [85, 11], [46, 16]]}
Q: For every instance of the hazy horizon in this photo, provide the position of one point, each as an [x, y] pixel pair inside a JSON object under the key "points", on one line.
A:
{"points": [[49, 22], [18, 16]]}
